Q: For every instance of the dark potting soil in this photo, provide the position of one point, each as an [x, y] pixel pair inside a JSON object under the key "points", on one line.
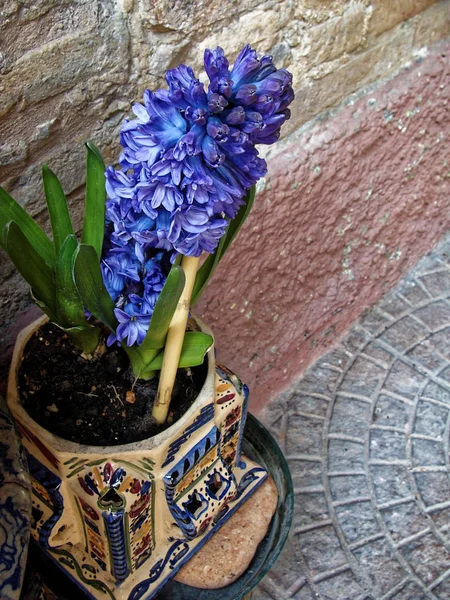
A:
{"points": [[85, 400]]}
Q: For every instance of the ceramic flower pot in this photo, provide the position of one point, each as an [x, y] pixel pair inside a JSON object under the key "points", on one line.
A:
{"points": [[121, 520]]}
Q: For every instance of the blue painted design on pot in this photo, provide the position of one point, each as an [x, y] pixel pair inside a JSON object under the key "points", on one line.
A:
{"points": [[14, 526], [175, 554], [206, 414], [246, 394], [114, 523], [51, 483]]}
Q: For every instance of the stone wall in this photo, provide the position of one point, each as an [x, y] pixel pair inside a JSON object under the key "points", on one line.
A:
{"points": [[70, 70]]}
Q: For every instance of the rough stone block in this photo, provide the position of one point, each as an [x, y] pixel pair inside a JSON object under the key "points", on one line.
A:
{"points": [[386, 14], [427, 453], [310, 507], [379, 566], [303, 402], [441, 518], [322, 549], [442, 590], [432, 25], [306, 473], [344, 455], [431, 419], [410, 591], [412, 291], [394, 305], [392, 412], [391, 482], [346, 487], [434, 488], [340, 587], [387, 445], [435, 316], [427, 557], [438, 342], [305, 435], [357, 521], [332, 38], [403, 380], [404, 334], [363, 378], [426, 354], [404, 520], [436, 283], [350, 417]]}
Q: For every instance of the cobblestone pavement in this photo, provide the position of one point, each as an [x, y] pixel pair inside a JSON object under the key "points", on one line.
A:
{"points": [[366, 433]]}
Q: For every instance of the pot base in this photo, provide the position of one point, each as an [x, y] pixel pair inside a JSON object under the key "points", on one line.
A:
{"points": [[226, 556], [43, 577]]}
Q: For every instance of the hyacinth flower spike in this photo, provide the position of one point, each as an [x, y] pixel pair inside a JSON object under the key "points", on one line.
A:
{"points": [[184, 186]]}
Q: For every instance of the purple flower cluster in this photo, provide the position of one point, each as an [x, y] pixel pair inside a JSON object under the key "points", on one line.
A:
{"points": [[189, 157]]}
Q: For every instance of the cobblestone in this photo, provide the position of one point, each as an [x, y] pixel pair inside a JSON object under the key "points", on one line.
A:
{"points": [[366, 433]]}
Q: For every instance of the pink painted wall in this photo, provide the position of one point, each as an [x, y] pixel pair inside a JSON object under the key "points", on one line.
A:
{"points": [[348, 206]]}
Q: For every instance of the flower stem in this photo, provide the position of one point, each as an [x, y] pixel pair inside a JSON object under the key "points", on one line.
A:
{"points": [[174, 342]]}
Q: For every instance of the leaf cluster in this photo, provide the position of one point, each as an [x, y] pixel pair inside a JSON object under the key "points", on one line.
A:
{"points": [[65, 277]]}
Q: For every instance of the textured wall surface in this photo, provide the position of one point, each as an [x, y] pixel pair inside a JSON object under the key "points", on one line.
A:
{"points": [[348, 205], [70, 70]]}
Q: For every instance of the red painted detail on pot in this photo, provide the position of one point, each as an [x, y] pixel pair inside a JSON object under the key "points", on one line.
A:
{"points": [[88, 510], [232, 416], [139, 506], [107, 472], [225, 399], [135, 487], [85, 486], [350, 203], [37, 442]]}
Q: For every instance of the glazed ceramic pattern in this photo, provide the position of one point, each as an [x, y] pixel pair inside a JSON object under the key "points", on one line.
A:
{"points": [[14, 509], [122, 520]]}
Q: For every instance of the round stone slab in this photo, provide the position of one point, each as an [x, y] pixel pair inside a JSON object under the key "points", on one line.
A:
{"points": [[226, 556], [366, 432]]}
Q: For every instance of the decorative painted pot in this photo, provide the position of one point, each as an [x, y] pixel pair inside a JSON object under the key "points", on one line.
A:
{"points": [[121, 520]]}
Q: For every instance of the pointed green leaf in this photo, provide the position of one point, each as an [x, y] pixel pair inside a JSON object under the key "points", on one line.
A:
{"points": [[94, 215], [163, 312], [89, 281], [57, 208], [208, 267], [69, 306], [30, 265], [195, 345], [45, 309], [10, 210], [84, 338]]}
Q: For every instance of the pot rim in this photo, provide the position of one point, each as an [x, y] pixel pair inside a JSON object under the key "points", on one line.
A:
{"points": [[63, 445]]}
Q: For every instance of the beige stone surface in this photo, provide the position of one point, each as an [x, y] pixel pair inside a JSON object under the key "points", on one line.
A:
{"points": [[70, 71], [226, 556]]}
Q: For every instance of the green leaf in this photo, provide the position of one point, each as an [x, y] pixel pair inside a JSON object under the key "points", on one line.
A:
{"points": [[69, 306], [208, 267], [163, 312], [57, 208], [30, 265], [94, 215], [89, 281], [85, 338], [195, 346], [10, 210]]}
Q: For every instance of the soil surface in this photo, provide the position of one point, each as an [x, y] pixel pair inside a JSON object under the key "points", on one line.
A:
{"points": [[88, 401]]}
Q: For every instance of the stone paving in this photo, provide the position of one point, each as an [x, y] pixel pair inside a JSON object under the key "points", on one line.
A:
{"points": [[366, 433]]}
